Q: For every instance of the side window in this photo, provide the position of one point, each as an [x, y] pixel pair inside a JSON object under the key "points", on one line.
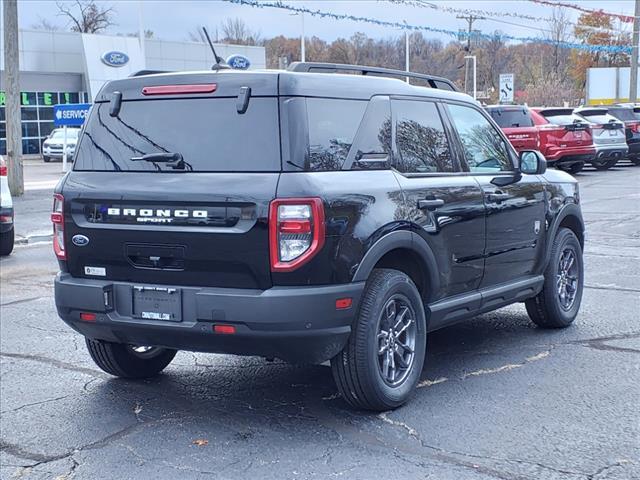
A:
{"points": [[420, 138], [484, 148], [332, 127]]}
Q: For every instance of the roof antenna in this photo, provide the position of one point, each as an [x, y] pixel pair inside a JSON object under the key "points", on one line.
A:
{"points": [[220, 63]]}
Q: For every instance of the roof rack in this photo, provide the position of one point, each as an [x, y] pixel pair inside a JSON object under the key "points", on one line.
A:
{"points": [[321, 67], [140, 73]]}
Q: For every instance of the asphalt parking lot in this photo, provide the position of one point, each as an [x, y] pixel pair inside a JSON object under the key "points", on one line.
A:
{"points": [[499, 398]]}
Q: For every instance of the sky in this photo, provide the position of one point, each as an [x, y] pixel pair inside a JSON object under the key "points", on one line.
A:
{"points": [[174, 19]]}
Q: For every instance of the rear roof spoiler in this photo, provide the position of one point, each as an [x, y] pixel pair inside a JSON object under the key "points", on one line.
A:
{"points": [[140, 73], [322, 67], [555, 111]]}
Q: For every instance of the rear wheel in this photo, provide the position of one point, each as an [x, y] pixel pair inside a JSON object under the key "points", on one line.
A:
{"points": [[129, 361], [612, 163], [6, 242], [381, 364], [635, 160], [46, 159], [557, 305]]}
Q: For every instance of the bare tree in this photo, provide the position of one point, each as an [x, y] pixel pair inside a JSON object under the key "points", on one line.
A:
{"points": [[559, 32], [44, 24], [87, 17], [236, 31]]}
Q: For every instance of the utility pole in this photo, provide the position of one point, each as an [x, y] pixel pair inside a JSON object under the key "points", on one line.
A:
{"points": [[633, 78], [469, 19], [12, 93]]}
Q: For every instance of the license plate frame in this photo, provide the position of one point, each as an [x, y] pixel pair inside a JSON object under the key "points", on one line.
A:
{"points": [[157, 303]]}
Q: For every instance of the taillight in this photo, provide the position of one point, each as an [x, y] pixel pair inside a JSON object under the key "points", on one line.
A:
{"points": [[3, 169], [634, 127], [296, 232], [57, 218]]}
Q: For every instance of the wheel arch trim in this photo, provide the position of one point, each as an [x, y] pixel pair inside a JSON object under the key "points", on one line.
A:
{"points": [[401, 239]]}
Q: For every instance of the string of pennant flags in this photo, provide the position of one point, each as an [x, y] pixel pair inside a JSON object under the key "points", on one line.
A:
{"points": [[490, 14], [619, 16], [423, 28]]}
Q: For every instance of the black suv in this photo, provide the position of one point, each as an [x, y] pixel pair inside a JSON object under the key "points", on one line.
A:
{"points": [[304, 215]]}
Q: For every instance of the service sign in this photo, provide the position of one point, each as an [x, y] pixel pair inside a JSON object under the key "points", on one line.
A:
{"points": [[71, 114], [115, 59], [239, 62]]}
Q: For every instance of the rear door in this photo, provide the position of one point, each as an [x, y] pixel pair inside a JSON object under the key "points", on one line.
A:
{"points": [[445, 204], [515, 212], [201, 221]]}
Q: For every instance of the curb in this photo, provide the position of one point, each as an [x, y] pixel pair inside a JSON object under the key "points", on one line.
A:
{"points": [[38, 237]]}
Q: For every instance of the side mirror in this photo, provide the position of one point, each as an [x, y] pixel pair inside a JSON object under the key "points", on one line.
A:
{"points": [[532, 162]]}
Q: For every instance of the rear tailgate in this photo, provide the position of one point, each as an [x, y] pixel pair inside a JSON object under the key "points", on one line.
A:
{"points": [[200, 222], [565, 129]]}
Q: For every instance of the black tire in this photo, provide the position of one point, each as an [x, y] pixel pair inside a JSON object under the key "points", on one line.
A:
{"points": [[46, 159], [359, 369], [612, 163], [575, 168], [6, 242], [635, 160], [601, 165], [546, 309], [123, 361]]}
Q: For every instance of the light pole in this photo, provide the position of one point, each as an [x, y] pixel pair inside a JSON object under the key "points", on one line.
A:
{"points": [[475, 85], [406, 52], [303, 53], [633, 77]]}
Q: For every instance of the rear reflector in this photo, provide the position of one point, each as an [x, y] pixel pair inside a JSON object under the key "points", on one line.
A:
{"points": [[224, 329], [344, 303], [176, 89], [88, 317]]}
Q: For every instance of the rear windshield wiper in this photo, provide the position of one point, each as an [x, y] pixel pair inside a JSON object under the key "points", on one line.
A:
{"points": [[159, 157]]}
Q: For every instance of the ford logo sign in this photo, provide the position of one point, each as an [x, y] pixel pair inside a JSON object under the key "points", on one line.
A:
{"points": [[80, 240], [115, 59], [239, 62]]}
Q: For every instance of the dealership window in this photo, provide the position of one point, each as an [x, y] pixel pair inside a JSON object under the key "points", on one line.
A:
{"points": [[36, 114]]}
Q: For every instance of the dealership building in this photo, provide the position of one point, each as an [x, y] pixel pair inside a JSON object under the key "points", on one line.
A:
{"points": [[67, 67]]}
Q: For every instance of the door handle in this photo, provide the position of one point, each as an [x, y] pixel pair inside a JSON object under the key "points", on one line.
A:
{"points": [[430, 203], [497, 196]]}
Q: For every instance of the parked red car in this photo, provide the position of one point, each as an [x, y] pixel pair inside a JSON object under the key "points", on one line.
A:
{"points": [[566, 140], [516, 122]]}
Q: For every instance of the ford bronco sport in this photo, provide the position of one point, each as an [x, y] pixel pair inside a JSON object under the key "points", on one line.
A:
{"points": [[307, 215]]}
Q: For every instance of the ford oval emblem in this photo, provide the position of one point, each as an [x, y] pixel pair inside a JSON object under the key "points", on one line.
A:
{"points": [[115, 59], [239, 62], [80, 240]]}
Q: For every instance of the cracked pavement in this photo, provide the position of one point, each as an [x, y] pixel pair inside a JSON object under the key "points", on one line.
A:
{"points": [[498, 398]]}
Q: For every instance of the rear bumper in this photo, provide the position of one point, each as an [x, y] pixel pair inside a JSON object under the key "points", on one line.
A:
{"points": [[611, 151], [297, 324], [571, 159], [6, 219]]}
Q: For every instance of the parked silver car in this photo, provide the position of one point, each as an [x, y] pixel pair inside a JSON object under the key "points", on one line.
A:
{"points": [[608, 136], [52, 146]]}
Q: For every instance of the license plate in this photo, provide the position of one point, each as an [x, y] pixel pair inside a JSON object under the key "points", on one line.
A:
{"points": [[157, 303]]}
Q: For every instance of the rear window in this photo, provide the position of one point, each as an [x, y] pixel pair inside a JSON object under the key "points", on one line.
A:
{"points": [[210, 135], [624, 114], [598, 117], [562, 119], [511, 118]]}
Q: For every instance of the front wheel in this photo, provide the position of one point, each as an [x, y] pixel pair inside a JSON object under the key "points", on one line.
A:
{"points": [[129, 361], [379, 367], [601, 165], [575, 168], [557, 305]]}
